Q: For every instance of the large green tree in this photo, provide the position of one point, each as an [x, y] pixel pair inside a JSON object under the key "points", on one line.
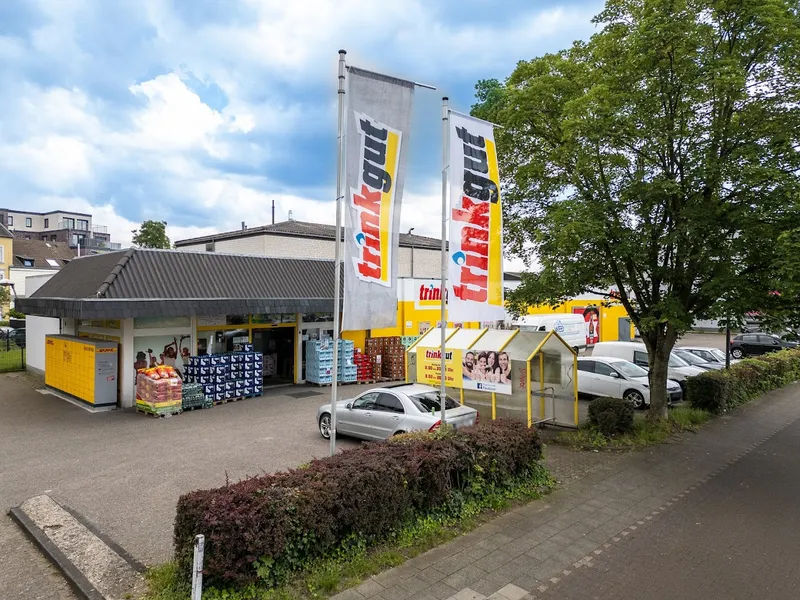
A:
{"points": [[660, 157], [152, 234]]}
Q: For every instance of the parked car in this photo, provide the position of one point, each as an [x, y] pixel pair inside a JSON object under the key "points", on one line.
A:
{"points": [[755, 344], [636, 352], [382, 412], [696, 361], [9, 337], [707, 354], [619, 378]]}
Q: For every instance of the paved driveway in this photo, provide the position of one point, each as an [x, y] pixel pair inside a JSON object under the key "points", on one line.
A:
{"points": [[124, 471]]}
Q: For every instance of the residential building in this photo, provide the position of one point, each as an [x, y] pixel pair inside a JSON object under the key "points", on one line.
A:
{"points": [[37, 257], [72, 228], [420, 256], [6, 245]]}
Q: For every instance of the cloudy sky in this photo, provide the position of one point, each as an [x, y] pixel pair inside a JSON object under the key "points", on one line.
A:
{"points": [[200, 112]]}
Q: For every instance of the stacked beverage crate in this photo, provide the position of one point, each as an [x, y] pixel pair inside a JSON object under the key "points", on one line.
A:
{"points": [[347, 371], [319, 362]]}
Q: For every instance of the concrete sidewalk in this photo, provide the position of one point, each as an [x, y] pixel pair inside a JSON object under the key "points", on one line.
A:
{"points": [[526, 552]]}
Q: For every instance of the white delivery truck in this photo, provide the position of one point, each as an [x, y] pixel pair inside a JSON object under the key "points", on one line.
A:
{"points": [[571, 327]]}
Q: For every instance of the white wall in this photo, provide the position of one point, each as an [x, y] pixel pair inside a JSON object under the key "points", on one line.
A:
{"points": [[34, 282], [427, 263], [20, 274], [35, 330]]}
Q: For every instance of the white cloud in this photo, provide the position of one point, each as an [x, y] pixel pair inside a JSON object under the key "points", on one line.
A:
{"points": [[51, 163]]}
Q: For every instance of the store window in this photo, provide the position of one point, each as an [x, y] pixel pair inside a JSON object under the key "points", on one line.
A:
{"points": [[317, 317], [274, 318], [161, 322], [237, 319], [217, 342]]}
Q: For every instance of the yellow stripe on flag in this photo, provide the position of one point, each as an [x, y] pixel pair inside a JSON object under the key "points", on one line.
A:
{"points": [[495, 233], [392, 158]]}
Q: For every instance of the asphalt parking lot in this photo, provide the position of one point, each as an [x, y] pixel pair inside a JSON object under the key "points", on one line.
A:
{"points": [[124, 471]]}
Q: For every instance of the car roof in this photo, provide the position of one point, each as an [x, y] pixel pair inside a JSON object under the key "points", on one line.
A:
{"points": [[605, 359], [408, 388], [707, 348]]}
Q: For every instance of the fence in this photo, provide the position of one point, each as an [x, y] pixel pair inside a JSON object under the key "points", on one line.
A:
{"points": [[12, 356]]}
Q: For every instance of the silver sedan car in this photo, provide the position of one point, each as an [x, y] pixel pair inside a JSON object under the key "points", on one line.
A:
{"points": [[382, 412]]}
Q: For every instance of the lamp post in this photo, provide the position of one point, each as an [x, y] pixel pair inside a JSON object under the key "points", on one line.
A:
{"points": [[412, 253]]}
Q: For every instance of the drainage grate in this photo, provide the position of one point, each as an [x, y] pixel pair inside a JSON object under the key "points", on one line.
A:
{"points": [[308, 394]]}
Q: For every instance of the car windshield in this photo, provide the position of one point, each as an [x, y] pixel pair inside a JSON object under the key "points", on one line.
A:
{"points": [[690, 358], [628, 369], [718, 354], [675, 361], [429, 402]]}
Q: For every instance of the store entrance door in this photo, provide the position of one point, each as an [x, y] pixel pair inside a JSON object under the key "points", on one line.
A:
{"points": [[277, 346]]}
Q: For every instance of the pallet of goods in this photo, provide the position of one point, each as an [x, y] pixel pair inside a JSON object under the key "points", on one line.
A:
{"points": [[319, 362], [363, 363], [159, 391], [193, 397], [228, 377], [388, 357], [347, 369]]}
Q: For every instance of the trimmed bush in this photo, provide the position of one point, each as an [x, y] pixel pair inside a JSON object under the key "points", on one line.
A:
{"points": [[611, 416], [270, 526], [719, 391]]}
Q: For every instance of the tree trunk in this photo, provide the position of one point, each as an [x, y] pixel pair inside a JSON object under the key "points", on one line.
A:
{"points": [[659, 346]]}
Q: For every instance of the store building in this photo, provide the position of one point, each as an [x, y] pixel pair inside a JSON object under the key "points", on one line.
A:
{"points": [[162, 306], [419, 256]]}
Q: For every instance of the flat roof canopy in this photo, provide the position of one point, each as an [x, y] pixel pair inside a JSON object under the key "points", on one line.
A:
{"points": [[155, 283]]}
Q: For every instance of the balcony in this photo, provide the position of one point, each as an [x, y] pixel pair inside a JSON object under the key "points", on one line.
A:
{"points": [[99, 229], [73, 225]]}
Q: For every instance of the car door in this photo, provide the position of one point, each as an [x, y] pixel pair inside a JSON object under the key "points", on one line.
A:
{"points": [[586, 383], [768, 343], [357, 419], [750, 344], [387, 416], [607, 380]]}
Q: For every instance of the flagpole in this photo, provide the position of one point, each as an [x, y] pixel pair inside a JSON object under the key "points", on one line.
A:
{"points": [[338, 255], [445, 157]]}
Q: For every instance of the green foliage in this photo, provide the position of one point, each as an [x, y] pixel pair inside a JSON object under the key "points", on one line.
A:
{"points": [[660, 157], [264, 529], [5, 293], [611, 416], [15, 314], [719, 391], [152, 234], [645, 432], [350, 563]]}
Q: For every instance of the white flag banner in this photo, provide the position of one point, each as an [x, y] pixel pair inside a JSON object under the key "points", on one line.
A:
{"points": [[378, 126], [475, 254]]}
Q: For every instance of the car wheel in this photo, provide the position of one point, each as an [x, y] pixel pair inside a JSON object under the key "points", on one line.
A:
{"points": [[325, 426], [737, 353], [635, 398], [398, 433]]}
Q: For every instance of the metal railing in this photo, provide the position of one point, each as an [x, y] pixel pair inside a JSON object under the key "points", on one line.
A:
{"points": [[12, 355]]}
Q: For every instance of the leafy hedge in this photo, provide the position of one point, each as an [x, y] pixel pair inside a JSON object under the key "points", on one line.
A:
{"points": [[719, 391], [270, 526], [611, 416]]}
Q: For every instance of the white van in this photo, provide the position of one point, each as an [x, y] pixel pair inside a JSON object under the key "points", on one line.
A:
{"points": [[636, 352], [571, 327]]}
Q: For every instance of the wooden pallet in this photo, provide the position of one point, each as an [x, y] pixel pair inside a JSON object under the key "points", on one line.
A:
{"points": [[188, 408], [365, 381], [161, 415], [319, 384]]}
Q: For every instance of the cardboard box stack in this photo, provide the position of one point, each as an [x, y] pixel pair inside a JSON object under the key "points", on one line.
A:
{"points": [[393, 359], [388, 357]]}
